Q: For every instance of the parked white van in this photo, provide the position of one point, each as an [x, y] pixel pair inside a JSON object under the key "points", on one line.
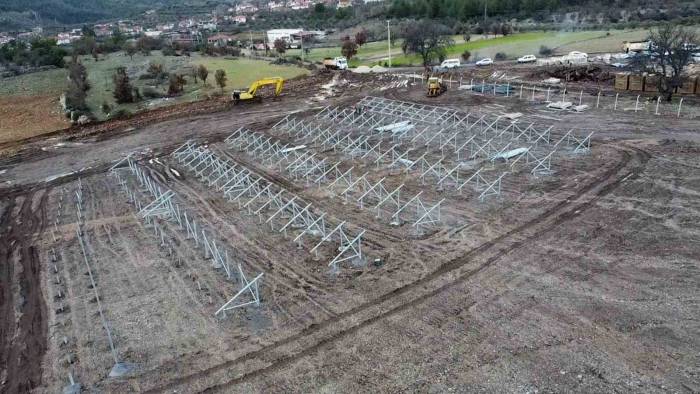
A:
{"points": [[450, 63]]}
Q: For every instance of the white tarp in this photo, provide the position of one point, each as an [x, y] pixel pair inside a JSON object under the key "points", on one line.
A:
{"points": [[396, 127], [292, 149], [511, 153]]}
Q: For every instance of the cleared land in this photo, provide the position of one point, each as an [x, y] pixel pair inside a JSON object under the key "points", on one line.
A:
{"points": [[579, 279]]}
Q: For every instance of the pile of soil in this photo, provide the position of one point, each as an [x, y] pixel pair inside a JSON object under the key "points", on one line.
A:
{"points": [[587, 73]]}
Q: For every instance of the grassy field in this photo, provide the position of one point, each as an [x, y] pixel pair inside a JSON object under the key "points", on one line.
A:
{"points": [[44, 82], [240, 72], [513, 46], [370, 53], [29, 104]]}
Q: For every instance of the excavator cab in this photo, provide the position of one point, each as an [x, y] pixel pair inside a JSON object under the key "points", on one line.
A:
{"points": [[245, 95]]}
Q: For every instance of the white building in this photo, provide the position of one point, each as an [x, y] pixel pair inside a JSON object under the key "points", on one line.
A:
{"points": [[285, 34]]}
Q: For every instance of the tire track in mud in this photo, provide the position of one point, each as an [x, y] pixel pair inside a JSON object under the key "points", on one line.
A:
{"points": [[274, 356], [24, 342]]}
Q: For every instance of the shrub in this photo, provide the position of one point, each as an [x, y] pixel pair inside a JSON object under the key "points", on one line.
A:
{"points": [[122, 87], [120, 114], [466, 55], [546, 51], [151, 92], [169, 51], [500, 56], [176, 84]]}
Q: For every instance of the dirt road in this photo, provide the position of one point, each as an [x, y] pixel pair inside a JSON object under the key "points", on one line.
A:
{"points": [[23, 323]]}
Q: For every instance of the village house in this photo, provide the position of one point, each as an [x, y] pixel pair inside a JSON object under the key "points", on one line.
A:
{"points": [[153, 33], [5, 38], [275, 5], [246, 9], [219, 40], [103, 30], [184, 38], [66, 38]]}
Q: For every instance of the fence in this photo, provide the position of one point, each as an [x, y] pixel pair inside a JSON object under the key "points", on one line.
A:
{"points": [[537, 93]]}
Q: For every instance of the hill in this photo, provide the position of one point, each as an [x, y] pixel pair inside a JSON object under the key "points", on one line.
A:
{"points": [[24, 14]]}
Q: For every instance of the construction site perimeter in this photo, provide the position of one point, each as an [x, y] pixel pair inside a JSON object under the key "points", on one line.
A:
{"points": [[355, 236]]}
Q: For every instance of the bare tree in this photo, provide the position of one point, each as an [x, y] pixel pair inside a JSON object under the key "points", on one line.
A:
{"points": [[671, 50], [280, 46], [130, 50], [176, 84], [349, 49], [428, 39], [123, 92], [361, 37]]}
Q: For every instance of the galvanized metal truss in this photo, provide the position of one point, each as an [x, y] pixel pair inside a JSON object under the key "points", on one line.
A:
{"points": [[275, 206], [350, 247], [468, 124], [247, 287], [119, 367], [163, 207], [442, 173]]}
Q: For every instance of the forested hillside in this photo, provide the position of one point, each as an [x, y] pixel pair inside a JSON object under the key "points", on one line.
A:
{"points": [[24, 14], [541, 10]]}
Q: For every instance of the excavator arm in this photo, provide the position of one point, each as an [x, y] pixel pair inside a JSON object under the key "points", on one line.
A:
{"points": [[277, 81]]}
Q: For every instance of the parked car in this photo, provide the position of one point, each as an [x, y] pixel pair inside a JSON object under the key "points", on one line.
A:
{"points": [[485, 62], [447, 65], [575, 57], [577, 54], [527, 59], [450, 63]]}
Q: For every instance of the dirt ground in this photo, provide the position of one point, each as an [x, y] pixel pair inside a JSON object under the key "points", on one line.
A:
{"points": [[23, 117], [584, 280]]}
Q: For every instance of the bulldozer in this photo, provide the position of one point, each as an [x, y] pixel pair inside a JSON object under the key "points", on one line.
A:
{"points": [[435, 87], [249, 95]]}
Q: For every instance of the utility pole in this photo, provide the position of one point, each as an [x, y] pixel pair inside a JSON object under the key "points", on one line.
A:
{"points": [[302, 46], [251, 40], [388, 40]]}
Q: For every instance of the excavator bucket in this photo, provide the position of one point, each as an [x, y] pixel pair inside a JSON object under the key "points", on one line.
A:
{"points": [[250, 94]]}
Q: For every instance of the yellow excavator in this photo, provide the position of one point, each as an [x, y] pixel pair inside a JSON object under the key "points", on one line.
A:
{"points": [[246, 95], [435, 87]]}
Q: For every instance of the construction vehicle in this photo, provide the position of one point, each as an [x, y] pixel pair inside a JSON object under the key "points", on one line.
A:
{"points": [[246, 95], [337, 63], [435, 87]]}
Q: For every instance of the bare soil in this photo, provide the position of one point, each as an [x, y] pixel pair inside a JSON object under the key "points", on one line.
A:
{"points": [[23, 117], [581, 281]]}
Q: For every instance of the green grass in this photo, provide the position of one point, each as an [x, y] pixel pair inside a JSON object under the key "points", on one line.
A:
{"points": [[370, 53], [513, 46], [240, 72], [35, 84]]}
